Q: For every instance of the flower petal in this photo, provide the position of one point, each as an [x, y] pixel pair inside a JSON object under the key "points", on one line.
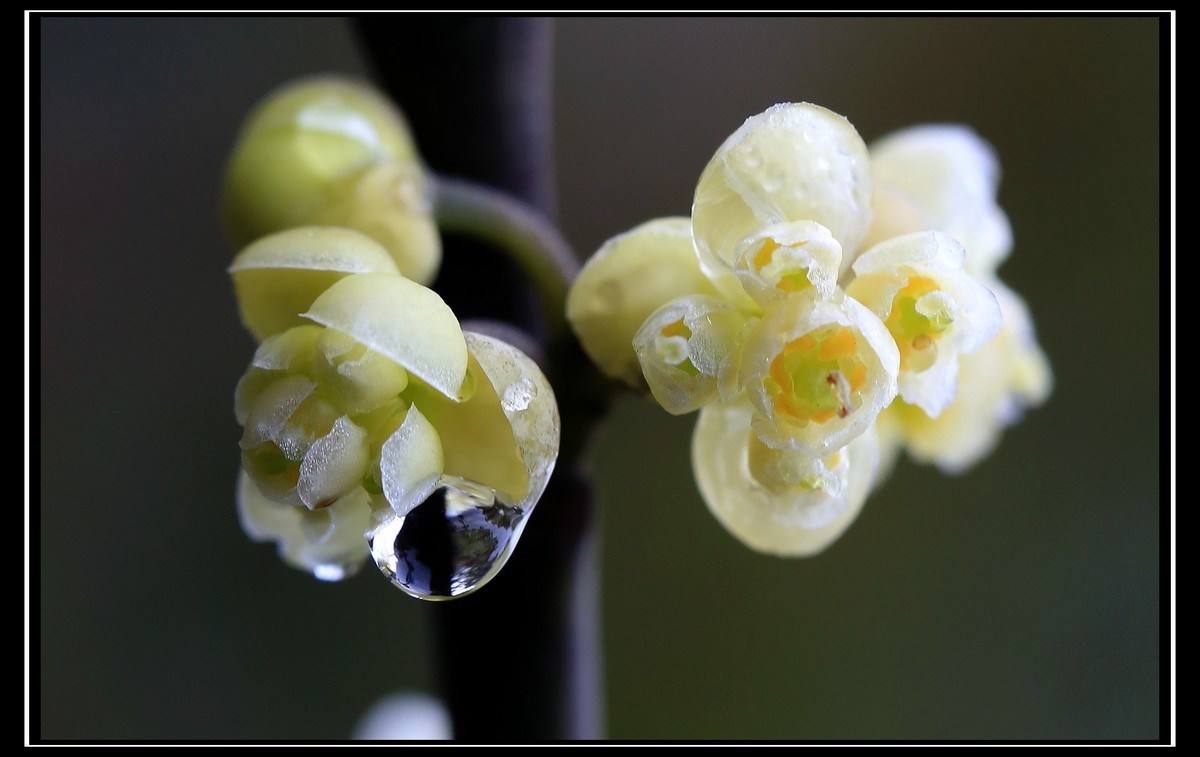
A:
{"points": [[793, 162], [477, 437], [299, 139], [628, 278], [411, 462], [528, 403], [402, 320], [361, 379], [330, 543], [996, 383], [273, 407], [952, 175], [819, 371], [390, 203], [292, 350], [776, 517], [788, 257], [334, 465], [934, 310], [278, 277], [685, 347]]}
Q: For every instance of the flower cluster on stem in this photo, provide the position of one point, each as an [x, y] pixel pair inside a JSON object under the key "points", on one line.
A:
{"points": [[822, 308]]}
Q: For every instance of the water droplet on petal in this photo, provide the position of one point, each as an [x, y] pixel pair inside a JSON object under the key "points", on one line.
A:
{"points": [[518, 395], [449, 545]]}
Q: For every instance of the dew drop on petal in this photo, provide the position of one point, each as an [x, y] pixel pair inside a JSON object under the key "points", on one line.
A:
{"points": [[449, 545], [518, 395]]}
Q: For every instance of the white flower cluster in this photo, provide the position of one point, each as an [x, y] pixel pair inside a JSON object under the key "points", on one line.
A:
{"points": [[823, 307]]}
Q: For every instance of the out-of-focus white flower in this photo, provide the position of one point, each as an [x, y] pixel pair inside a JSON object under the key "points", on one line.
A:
{"points": [[408, 716], [941, 177]]}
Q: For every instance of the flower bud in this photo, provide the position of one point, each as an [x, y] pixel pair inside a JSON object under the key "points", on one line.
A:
{"points": [[329, 151]]}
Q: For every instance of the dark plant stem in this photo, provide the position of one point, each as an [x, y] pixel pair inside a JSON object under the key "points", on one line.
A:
{"points": [[520, 659]]}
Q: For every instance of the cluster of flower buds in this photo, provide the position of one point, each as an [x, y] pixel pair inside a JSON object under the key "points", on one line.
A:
{"points": [[374, 425], [824, 307]]}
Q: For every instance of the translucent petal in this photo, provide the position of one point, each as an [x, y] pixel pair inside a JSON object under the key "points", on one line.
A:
{"points": [[773, 517], [301, 138], [855, 362], [477, 437], [685, 347], [411, 462], [334, 465], [954, 318], [793, 162], [249, 387], [402, 320], [273, 407], [277, 278], [895, 214], [290, 350], [330, 543], [952, 175], [361, 378], [996, 383], [788, 257], [311, 420], [628, 278], [528, 403]]}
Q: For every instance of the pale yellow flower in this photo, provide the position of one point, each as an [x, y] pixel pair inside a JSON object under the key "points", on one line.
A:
{"points": [[780, 502], [941, 177], [628, 278], [819, 281], [792, 162], [331, 151], [743, 318], [355, 417], [996, 385], [944, 178], [933, 309]]}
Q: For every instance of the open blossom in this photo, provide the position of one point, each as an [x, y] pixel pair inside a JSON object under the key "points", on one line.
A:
{"points": [[934, 310], [780, 502], [366, 396], [996, 385], [944, 178], [791, 316]]}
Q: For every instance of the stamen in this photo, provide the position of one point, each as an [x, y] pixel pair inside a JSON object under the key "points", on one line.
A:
{"points": [[841, 387]]}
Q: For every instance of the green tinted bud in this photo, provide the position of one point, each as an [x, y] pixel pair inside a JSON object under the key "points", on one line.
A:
{"points": [[335, 152]]}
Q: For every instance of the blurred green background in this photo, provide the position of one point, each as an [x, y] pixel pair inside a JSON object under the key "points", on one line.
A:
{"points": [[1022, 600]]}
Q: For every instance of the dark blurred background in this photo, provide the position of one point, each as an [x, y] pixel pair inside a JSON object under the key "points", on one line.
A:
{"points": [[1022, 600]]}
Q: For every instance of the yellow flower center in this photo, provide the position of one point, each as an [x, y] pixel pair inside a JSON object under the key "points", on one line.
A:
{"points": [[921, 312], [786, 275], [815, 378]]}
